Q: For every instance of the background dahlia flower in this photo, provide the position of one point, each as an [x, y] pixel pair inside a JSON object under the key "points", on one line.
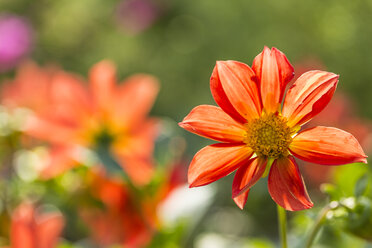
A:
{"points": [[32, 228], [70, 116], [259, 134]]}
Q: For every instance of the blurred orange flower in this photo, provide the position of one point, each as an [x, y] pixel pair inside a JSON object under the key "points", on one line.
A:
{"points": [[69, 116], [259, 135], [32, 229], [126, 218]]}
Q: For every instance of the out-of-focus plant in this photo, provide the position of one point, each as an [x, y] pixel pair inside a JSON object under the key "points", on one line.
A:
{"points": [[345, 212], [106, 118], [16, 38], [94, 145], [137, 15]]}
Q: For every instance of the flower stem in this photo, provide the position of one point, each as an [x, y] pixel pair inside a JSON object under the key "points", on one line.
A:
{"points": [[317, 225], [282, 226]]}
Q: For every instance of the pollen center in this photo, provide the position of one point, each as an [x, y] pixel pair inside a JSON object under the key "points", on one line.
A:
{"points": [[269, 136]]}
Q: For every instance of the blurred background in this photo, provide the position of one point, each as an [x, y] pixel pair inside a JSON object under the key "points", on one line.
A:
{"points": [[178, 42]]}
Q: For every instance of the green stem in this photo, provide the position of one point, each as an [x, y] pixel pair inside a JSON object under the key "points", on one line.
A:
{"points": [[282, 226], [317, 225]]}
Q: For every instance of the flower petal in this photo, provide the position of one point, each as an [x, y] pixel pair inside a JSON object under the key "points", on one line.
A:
{"points": [[247, 175], [327, 145], [216, 161], [49, 229], [273, 71], [286, 185], [41, 127], [140, 170], [134, 152], [58, 160], [308, 96], [241, 199], [235, 91], [21, 234], [140, 143], [134, 99], [213, 123], [30, 88], [102, 79]]}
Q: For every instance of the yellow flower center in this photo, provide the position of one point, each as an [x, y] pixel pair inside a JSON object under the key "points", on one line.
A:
{"points": [[269, 136]]}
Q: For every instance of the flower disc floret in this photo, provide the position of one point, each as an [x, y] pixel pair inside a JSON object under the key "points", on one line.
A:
{"points": [[269, 136]]}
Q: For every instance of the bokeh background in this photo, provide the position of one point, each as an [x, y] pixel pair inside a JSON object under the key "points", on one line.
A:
{"points": [[179, 42]]}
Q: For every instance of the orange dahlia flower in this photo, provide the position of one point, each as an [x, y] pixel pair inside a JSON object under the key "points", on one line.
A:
{"points": [[127, 218], [102, 114], [259, 134], [32, 229]]}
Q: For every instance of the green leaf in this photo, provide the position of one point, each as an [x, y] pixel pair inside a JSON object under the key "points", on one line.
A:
{"points": [[361, 185], [331, 190]]}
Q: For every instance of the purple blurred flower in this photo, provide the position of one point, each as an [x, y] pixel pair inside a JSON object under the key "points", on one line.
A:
{"points": [[15, 40], [137, 15]]}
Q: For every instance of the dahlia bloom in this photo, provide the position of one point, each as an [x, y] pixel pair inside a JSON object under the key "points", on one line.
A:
{"points": [[86, 117], [259, 134], [127, 218], [31, 229], [15, 40], [120, 221]]}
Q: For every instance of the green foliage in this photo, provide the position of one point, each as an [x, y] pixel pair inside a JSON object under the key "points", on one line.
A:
{"points": [[361, 185]]}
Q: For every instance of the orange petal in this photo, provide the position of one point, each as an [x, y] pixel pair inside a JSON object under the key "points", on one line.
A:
{"points": [[241, 199], [247, 175], [286, 71], [308, 96], [273, 72], [49, 228], [139, 170], [102, 79], [213, 123], [22, 232], [59, 159], [286, 185], [134, 100], [69, 98], [139, 143], [327, 145], [216, 161], [234, 90], [30, 88], [237, 81], [134, 152], [51, 130]]}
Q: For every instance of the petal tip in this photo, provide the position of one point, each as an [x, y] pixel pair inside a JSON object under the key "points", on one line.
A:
{"points": [[191, 186], [194, 181], [239, 204], [364, 160], [219, 62]]}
